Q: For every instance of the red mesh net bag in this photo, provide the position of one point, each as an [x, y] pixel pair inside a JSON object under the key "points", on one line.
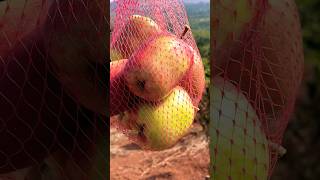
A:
{"points": [[256, 68], [53, 89], [157, 75]]}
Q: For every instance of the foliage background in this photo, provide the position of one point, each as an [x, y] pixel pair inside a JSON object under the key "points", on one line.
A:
{"points": [[199, 19]]}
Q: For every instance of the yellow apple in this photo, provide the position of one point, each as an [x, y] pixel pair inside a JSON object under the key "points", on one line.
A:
{"points": [[159, 126], [238, 144]]}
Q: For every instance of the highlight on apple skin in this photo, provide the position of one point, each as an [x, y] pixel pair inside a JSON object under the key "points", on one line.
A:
{"points": [[158, 126], [158, 66], [239, 148]]}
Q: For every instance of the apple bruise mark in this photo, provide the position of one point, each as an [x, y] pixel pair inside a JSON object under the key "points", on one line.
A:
{"points": [[141, 84], [141, 135], [141, 129]]}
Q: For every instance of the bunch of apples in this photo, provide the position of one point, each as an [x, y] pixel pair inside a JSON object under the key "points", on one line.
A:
{"points": [[258, 52], [156, 83]]}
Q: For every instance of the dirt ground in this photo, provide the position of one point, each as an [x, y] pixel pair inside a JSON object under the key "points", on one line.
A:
{"points": [[188, 160]]}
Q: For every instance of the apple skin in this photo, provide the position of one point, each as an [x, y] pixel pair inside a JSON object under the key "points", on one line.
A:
{"points": [[158, 126], [14, 27], [194, 81], [268, 70], [37, 114], [136, 31], [283, 63], [238, 145], [76, 39], [158, 66], [115, 55], [121, 99], [230, 19]]}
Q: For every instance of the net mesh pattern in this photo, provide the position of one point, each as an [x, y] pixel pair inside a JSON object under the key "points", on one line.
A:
{"points": [[256, 69], [53, 89], [156, 72]]}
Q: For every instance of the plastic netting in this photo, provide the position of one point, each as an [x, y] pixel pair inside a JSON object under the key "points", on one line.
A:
{"points": [[157, 75], [53, 89], [257, 67]]}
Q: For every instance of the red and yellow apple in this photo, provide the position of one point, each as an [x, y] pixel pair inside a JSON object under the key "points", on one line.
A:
{"points": [[136, 31], [158, 66]]}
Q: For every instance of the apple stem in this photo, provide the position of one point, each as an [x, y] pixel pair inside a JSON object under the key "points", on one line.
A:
{"points": [[278, 148], [186, 29]]}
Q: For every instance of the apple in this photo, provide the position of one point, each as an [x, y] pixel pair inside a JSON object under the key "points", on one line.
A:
{"points": [[115, 55], [76, 39], [158, 126], [136, 30], [158, 66], [19, 18], [238, 144], [194, 81], [268, 69], [283, 57], [37, 114], [121, 99], [230, 19]]}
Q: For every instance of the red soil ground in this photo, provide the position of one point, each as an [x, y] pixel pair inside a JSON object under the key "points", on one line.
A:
{"points": [[188, 160]]}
